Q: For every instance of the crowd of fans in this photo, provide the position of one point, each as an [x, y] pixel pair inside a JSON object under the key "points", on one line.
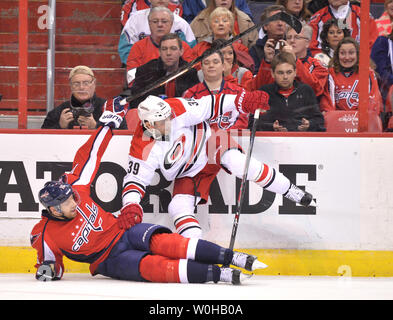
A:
{"points": [[306, 74]]}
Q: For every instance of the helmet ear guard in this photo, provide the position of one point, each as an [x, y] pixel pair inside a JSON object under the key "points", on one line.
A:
{"points": [[54, 193], [151, 110]]}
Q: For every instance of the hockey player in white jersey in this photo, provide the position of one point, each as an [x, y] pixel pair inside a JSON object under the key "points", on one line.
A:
{"points": [[175, 136]]}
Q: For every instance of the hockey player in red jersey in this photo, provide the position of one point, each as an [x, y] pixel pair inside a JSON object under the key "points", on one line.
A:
{"points": [[175, 137], [73, 225]]}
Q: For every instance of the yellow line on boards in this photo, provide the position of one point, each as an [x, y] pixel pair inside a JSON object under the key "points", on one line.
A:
{"points": [[354, 263]]}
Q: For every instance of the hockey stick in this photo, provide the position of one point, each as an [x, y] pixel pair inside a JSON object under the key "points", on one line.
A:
{"points": [[292, 21], [244, 180]]}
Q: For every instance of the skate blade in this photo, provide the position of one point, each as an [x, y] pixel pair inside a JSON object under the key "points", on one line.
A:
{"points": [[258, 265], [313, 204], [244, 277]]}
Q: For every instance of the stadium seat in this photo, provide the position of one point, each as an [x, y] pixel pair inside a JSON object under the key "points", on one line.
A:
{"points": [[347, 122], [132, 119]]}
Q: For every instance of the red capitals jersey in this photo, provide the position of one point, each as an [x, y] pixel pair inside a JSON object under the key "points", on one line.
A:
{"points": [[90, 236], [201, 89], [352, 23], [344, 90]]}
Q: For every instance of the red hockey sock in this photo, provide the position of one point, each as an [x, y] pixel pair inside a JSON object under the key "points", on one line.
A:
{"points": [[170, 245], [157, 268]]}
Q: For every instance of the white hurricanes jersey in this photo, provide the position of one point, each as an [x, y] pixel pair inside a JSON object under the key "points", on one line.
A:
{"points": [[183, 153]]}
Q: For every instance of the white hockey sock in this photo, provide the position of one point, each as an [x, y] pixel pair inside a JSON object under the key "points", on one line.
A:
{"points": [[265, 176], [181, 209]]}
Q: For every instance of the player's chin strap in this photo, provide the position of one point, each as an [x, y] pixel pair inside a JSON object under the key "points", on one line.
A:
{"points": [[289, 19], [155, 134]]}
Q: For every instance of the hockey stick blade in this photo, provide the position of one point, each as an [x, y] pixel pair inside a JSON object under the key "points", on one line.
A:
{"points": [[289, 19], [292, 21]]}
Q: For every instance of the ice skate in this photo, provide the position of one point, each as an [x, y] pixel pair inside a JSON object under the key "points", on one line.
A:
{"points": [[247, 261], [234, 276], [297, 195]]}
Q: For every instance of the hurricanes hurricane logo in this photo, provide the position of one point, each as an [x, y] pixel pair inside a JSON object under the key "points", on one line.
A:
{"points": [[174, 153]]}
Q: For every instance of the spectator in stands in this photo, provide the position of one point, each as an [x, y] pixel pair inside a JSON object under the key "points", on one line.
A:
{"points": [[274, 30], [235, 73], [297, 8], [213, 82], [385, 21], [169, 61], [347, 14], [130, 6], [331, 35], [221, 22], [242, 22], [382, 56], [160, 22], [316, 5], [138, 27], [84, 108], [308, 69], [293, 104], [344, 78], [191, 8]]}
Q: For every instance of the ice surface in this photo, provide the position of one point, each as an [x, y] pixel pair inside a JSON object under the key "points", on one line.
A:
{"points": [[84, 286]]}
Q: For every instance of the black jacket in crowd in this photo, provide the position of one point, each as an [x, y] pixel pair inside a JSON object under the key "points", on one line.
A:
{"points": [[257, 52], [154, 70], [52, 118], [301, 103]]}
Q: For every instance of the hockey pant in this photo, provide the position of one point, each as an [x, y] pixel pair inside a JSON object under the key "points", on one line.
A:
{"points": [[148, 252], [188, 192]]}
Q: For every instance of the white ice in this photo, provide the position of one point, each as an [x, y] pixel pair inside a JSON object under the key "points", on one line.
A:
{"points": [[84, 286]]}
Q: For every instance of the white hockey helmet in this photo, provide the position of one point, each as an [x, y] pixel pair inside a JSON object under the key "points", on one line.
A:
{"points": [[153, 109]]}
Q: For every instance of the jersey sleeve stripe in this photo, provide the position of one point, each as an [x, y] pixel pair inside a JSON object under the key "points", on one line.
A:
{"points": [[177, 107], [133, 187], [95, 152]]}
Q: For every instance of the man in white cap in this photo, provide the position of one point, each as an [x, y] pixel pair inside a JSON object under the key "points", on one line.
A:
{"points": [[84, 108]]}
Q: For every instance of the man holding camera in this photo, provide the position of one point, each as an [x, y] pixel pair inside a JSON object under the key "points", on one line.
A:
{"points": [[273, 31], [83, 109]]}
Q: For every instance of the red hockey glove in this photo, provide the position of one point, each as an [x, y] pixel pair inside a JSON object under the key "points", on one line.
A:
{"points": [[114, 111], [117, 105], [248, 102], [130, 215]]}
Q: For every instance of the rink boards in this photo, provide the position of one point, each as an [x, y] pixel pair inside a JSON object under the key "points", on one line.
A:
{"points": [[350, 177]]}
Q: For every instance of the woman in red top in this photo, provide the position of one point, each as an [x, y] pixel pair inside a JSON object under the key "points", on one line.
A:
{"points": [[344, 78]]}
